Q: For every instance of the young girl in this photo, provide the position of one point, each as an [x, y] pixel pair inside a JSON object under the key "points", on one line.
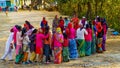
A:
{"points": [[25, 45], [39, 45], [58, 40], [19, 38], [88, 40], [8, 48], [32, 46], [72, 43], [47, 45], [81, 40], [65, 52], [100, 33]]}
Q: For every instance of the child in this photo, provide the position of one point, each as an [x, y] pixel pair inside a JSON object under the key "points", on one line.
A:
{"points": [[39, 45], [66, 22], [32, 46], [88, 40], [58, 40], [43, 24], [100, 33], [8, 48], [65, 52], [25, 45], [19, 38], [47, 45]]}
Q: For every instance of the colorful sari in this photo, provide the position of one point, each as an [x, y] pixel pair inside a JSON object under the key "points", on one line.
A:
{"points": [[65, 54], [93, 45], [58, 55], [88, 48], [103, 42], [19, 54], [99, 45], [73, 49], [81, 47]]}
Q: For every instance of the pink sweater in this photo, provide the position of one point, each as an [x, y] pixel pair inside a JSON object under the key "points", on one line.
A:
{"points": [[58, 40], [89, 36], [15, 32], [19, 38], [39, 40], [71, 33]]}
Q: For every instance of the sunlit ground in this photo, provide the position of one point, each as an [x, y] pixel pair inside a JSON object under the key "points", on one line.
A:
{"points": [[108, 59]]}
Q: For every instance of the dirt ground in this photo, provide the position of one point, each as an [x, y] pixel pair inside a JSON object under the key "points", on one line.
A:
{"points": [[108, 59]]}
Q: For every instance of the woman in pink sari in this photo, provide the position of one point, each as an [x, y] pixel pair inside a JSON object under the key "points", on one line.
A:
{"points": [[58, 40]]}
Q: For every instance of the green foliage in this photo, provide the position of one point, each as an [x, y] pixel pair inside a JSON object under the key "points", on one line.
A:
{"points": [[110, 9]]}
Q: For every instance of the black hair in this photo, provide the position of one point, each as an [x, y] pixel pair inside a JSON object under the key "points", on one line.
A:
{"points": [[65, 35], [87, 26], [18, 28], [61, 17], [29, 25], [66, 18], [98, 19], [34, 31], [47, 28], [23, 32]]}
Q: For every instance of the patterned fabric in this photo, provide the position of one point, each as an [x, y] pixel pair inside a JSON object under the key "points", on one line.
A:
{"points": [[32, 56], [65, 54], [81, 47], [73, 49], [99, 45], [58, 55], [19, 58], [93, 45], [25, 48], [25, 56], [88, 48], [103, 43]]}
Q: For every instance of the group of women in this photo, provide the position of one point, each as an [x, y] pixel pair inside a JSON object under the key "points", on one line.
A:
{"points": [[68, 40]]}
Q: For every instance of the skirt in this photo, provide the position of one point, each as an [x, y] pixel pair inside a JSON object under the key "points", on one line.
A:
{"points": [[104, 42], [81, 47], [39, 50], [57, 55], [88, 48], [93, 45], [99, 45], [25, 48], [73, 49], [65, 54]]}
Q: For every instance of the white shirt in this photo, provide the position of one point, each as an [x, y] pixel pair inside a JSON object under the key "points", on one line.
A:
{"points": [[81, 33], [26, 40]]}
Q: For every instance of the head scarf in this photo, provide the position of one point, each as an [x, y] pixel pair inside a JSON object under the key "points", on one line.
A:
{"points": [[70, 25], [58, 30]]}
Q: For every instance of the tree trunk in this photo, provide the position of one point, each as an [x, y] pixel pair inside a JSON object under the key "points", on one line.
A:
{"points": [[79, 9], [96, 4], [101, 7], [88, 14]]}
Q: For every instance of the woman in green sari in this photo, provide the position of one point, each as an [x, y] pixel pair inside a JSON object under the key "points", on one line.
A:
{"points": [[81, 40]]}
